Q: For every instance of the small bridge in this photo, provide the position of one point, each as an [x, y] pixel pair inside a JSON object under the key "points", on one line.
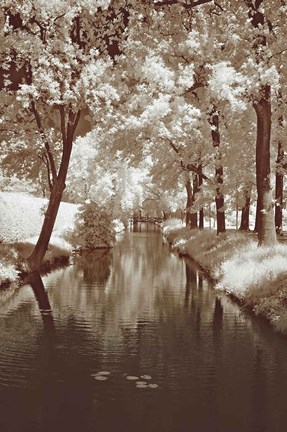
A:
{"points": [[146, 219]]}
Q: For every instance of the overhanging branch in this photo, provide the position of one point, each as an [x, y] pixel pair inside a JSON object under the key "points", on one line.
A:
{"points": [[190, 5]]}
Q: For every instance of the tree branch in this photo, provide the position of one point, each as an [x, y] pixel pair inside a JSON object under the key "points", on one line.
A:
{"points": [[63, 124], [193, 168], [173, 146], [185, 5], [46, 143], [188, 167], [158, 195], [44, 158]]}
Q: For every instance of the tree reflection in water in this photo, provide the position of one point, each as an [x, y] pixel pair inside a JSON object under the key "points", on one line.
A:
{"points": [[43, 302], [95, 265], [193, 291]]}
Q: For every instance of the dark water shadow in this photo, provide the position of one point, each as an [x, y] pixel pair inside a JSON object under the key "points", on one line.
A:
{"points": [[62, 392], [43, 302]]}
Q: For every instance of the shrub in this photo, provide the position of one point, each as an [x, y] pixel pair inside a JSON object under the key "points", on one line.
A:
{"points": [[93, 227], [8, 273]]}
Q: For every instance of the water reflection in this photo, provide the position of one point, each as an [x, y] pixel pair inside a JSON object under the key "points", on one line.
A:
{"points": [[136, 310], [94, 264], [42, 299]]}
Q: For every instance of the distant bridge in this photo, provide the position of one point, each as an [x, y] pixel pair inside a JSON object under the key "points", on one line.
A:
{"points": [[155, 220]]}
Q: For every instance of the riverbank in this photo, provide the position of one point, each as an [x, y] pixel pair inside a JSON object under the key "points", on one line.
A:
{"points": [[256, 277], [21, 220], [20, 224]]}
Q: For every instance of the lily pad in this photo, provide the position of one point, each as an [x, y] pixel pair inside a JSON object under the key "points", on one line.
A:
{"points": [[100, 378], [144, 385], [132, 378], [153, 386], [146, 377]]}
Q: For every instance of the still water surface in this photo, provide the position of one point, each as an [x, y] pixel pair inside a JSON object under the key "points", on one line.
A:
{"points": [[137, 310]]}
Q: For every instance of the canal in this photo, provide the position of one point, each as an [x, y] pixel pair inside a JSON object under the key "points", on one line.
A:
{"points": [[137, 340]]}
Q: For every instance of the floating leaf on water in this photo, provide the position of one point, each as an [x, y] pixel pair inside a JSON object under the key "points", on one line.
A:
{"points": [[146, 377], [153, 386], [132, 378], [141, 383], [104, 373], [141, 386], [100, 377]]}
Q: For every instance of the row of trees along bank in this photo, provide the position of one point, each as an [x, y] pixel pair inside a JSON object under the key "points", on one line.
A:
{"points": [[174, 83]]}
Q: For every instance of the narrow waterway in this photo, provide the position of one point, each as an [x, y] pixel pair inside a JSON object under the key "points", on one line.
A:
{"points": [[136, 311]]}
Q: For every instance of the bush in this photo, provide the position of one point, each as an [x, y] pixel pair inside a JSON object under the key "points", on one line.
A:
{"points": [[93, 227]]}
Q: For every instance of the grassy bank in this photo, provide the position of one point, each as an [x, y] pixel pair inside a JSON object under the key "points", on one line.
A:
{"points": [[13, 260], [20, 224], [21, 218], [257, 277]]}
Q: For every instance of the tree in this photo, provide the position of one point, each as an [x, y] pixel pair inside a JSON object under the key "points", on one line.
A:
{"points": [[58, 61], [262, 106], [93, 227]]}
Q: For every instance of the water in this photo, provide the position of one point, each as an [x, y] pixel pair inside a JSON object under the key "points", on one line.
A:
{"points": [[136, 311]]}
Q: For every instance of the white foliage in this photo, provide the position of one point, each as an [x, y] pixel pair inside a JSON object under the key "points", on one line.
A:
{"points": [[193, 42], [227, 84], [25, 93], [103, 189], [186, 76], [157, 73], [157, 109]]}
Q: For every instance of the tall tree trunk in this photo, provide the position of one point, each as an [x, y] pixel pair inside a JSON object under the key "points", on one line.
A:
{"points": [[36, 258], [195, 191], [244, 224], [219, 198], [265, 214], [201, 212], [266, 226], [189, 202], [191, 190], [279, 189]]}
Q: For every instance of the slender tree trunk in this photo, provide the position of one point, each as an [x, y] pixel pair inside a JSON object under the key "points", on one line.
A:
{"points": [[195, 191], [191, 190], [201, 212], [219, 201], [36, 258], [189, 201], [219, 198], [279, 189], [244, 224], [266, 226]]}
